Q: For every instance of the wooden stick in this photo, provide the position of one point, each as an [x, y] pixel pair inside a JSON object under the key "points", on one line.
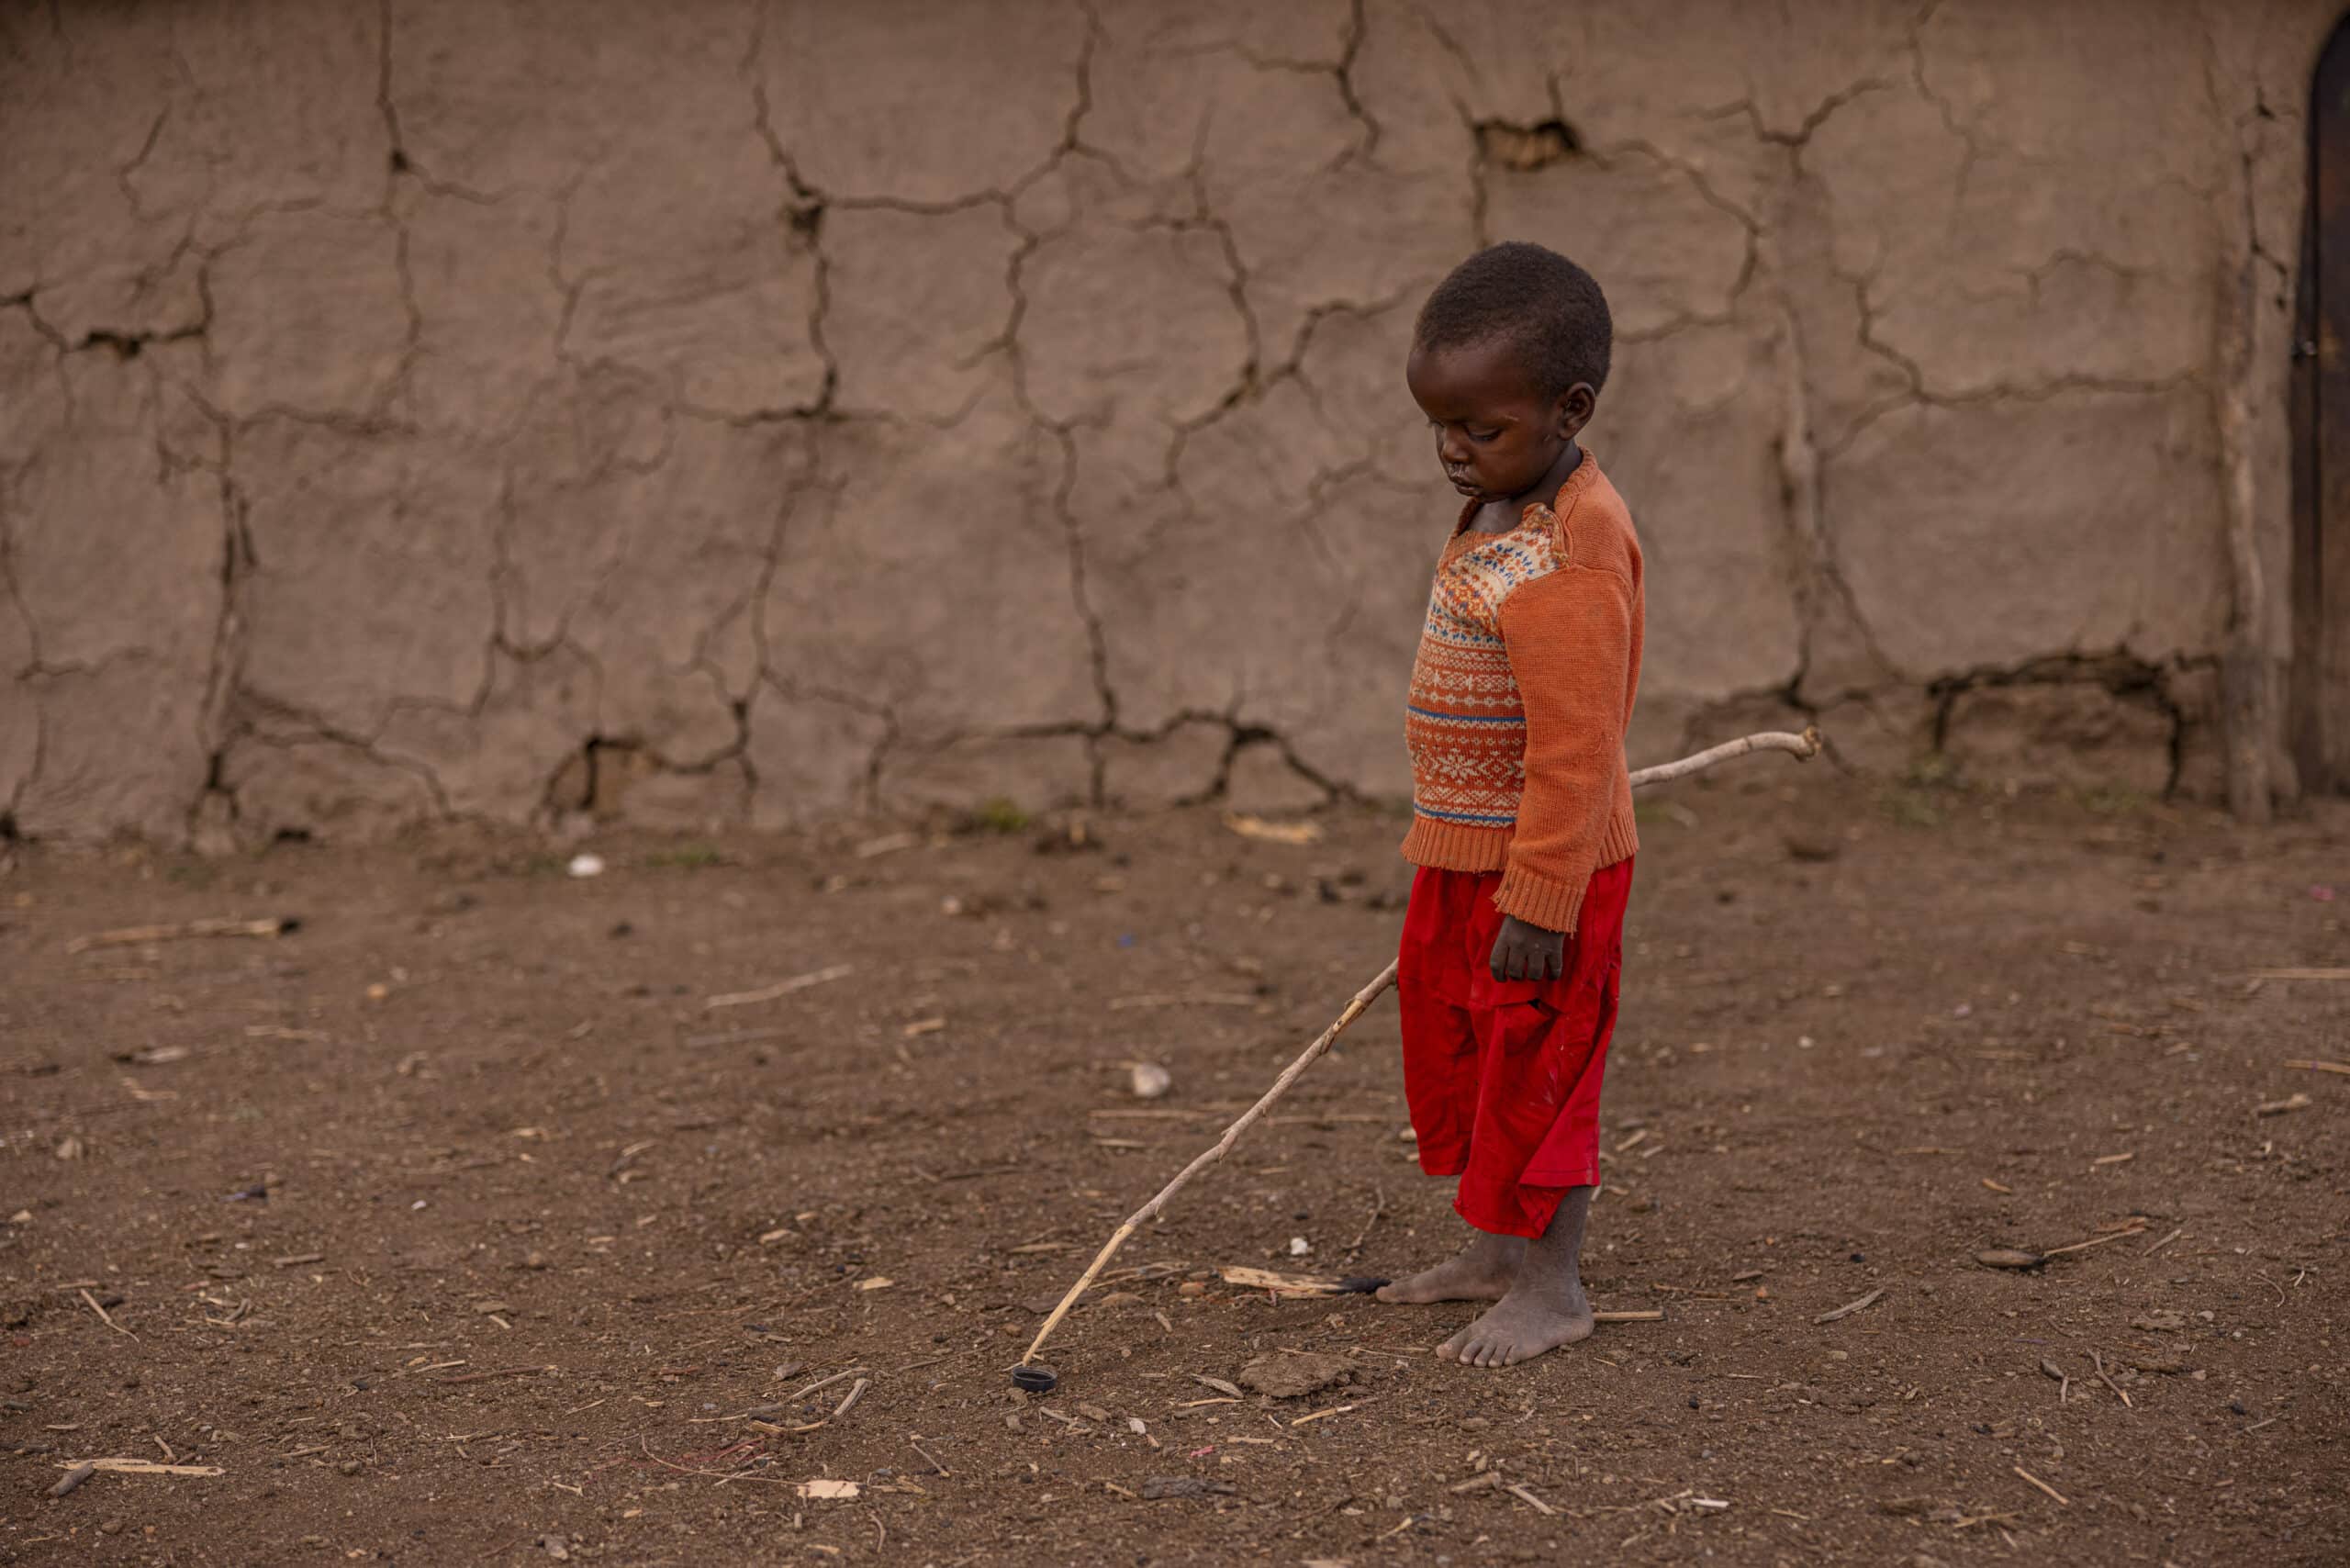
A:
{"points": [[139, 935], [1836, 1313], [781, 988], [1802, 746], [146, 1467], [2106, 1378], [109, 1321], [2096, 1241], [1222, 1147]]}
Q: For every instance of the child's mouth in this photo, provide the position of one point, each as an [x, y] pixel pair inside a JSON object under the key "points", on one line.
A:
{"points": [[1462, 482]]}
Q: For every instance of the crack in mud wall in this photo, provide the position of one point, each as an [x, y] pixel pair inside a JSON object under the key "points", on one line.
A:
{"points": [[760, 409]]}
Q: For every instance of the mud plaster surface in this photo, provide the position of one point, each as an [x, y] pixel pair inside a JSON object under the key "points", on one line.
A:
{"points": [[743, 413]]}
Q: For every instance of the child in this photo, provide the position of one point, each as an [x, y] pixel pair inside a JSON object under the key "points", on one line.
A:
{"points": [[1522, 812]]}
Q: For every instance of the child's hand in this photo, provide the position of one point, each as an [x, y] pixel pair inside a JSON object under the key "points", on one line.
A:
{"points": [[1523, 952]]}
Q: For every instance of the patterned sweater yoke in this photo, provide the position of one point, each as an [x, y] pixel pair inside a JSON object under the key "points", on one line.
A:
{"points": [[1528, 664]]}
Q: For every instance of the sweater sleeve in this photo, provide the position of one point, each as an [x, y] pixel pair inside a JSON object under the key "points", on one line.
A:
{"points": [[1568, 636]]}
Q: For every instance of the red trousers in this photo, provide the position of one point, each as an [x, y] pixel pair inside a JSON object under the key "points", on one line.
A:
{"points": [[1502, 1076]]}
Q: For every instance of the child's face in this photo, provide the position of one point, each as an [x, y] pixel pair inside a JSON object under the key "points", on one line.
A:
{"points": [[1496, 435]]}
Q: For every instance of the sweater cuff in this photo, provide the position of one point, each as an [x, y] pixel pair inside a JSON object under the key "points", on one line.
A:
{"points": [[1540, 900]]}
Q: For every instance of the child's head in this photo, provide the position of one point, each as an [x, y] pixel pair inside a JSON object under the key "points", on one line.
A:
{"points": [[1507, 361]]}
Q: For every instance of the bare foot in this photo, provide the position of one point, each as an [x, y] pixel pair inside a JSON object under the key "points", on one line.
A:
{"points": [[1481, 1273], [1534, 1317]]}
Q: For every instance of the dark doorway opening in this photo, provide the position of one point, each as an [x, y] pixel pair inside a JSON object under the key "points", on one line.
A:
{"points": [[2320, 709]]}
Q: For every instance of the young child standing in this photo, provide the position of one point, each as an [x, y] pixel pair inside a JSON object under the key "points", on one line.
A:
{"points": [[1522, 809]]}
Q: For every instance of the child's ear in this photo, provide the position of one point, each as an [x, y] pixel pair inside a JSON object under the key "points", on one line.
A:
{"points": [[1575, 408]]}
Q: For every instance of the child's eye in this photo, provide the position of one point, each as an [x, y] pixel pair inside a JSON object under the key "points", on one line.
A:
{"points": [[1482, 436]]}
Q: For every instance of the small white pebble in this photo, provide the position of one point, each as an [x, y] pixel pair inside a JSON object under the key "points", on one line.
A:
{"points": [[1299, 1247], [587, 866]]}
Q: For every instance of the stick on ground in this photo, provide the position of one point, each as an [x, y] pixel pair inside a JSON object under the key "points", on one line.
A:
{"points": [[140, 935], [824, 976], [1802, 748], [1222, 1147]]}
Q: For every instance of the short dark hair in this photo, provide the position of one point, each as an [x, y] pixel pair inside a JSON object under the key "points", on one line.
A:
{"points": [[1546, 309]]}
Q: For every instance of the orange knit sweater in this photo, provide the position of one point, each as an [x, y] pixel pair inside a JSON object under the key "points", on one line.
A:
{"points": [[1520, 696]]}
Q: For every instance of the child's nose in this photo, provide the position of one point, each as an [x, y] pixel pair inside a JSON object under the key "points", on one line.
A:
{"points": [[1449, 449]]}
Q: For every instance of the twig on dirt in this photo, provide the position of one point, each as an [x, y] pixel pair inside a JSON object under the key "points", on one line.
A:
{"points": [[827, 1383], [1319, 1414], [1849, 1308], [2165, 1241], [137, 936], [72, 1478], [1804, 745], [146, 1467], [1378, 1207], [2279, 1107], [781, 988], [1223, 1146], [93, 1302], [2063, 1379], [1248, 826], [501, 1372], [2302, 974], [1649, 1316], [1517, 1490], [2106, 1378], [2095, 1241], [1185, 999], [2306, 1066], [856, 1392], [938, 1469], [645, 1446], [2043, 1486]]}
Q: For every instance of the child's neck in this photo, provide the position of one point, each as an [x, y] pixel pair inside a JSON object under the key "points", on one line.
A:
{"points": [[1500, 517]]}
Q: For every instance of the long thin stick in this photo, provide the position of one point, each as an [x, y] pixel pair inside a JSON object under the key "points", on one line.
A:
{"points": [[1803, 746], [139, 935], [1222, 1147]]}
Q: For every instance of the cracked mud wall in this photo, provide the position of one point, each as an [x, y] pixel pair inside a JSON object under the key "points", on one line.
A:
{"points": [[755, 412]]}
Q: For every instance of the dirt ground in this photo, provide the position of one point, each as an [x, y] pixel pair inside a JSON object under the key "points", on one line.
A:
{"points": [[455, 1225]]}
